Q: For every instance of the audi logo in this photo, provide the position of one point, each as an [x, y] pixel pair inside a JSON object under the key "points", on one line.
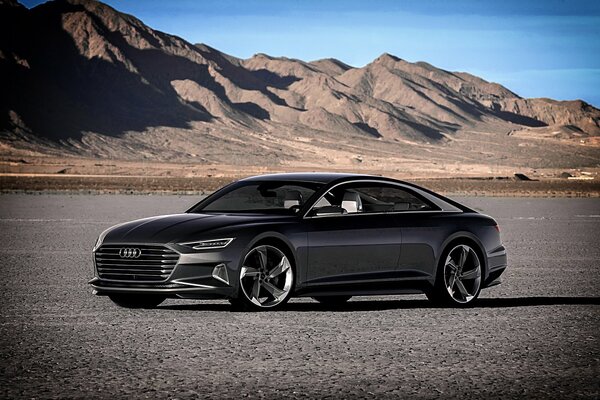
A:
{"points": [[130, 252]]}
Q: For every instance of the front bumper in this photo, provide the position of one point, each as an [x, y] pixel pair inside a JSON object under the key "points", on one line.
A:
{"points": [[208, 274], [174, 290]]}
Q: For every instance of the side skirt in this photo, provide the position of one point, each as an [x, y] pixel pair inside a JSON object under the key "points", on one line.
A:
{"points": [[366, 289]]}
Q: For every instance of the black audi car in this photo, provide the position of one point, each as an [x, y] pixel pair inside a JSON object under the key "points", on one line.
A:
{"points": [[262, 240]]}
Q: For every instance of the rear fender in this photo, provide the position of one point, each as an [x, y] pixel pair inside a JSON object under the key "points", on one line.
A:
{"points": [[456, 237]]}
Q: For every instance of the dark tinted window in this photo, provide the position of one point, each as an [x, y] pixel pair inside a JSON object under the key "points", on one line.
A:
{"points": [[373, 198], [266, 196]]}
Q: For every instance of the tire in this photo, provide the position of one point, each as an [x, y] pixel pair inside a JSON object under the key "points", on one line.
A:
{"points": [[266, 279], [333, 301], [458, 278], [137, 300]]}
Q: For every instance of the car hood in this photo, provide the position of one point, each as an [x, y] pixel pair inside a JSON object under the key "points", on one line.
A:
{"points": [[181, 227]]}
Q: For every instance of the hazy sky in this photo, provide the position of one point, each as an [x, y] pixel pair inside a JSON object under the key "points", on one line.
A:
{"points": [[547, 48]]}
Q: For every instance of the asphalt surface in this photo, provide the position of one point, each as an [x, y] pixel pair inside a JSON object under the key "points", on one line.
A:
{"points": [[535, 336]]}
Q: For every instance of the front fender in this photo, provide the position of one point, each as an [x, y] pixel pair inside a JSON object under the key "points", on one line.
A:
{"points": [[296, 243]]}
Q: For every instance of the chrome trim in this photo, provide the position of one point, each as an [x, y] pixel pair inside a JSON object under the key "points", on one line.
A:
{"points": [[220, 273], [131, 245], [134, 244], [385, 213], [196, 285], [105, 289], [130, 252]]}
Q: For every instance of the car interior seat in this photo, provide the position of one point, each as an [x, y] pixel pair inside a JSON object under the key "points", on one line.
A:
{"points": [[401, 206], [351, 202], [292, 198]]}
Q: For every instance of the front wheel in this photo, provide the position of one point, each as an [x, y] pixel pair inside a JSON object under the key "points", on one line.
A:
{"points": [[137, 300], [266, 279], [458, 279]]}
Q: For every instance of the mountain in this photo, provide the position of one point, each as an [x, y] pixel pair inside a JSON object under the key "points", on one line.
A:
{"points": [[80, 78]]}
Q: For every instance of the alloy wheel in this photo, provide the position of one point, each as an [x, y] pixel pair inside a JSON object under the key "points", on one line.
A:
{"points": [[462, 274], [266, 276]]}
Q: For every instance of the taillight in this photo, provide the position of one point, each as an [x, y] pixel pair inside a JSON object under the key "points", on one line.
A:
{"points": [[497, 228]]}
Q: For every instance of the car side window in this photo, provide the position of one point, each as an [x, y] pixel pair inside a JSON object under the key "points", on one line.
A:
{"points": [[370, 197], [390, 198], [262, 196]]}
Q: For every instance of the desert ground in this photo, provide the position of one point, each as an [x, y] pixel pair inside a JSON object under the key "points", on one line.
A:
{"points": [[534, 336], [95, 175]]}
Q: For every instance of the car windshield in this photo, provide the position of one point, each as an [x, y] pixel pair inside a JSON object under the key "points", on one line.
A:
{"points": [[271, 197]]}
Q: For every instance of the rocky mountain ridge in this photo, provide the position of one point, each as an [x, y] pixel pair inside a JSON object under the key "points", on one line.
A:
{"points": [[83, 78]]}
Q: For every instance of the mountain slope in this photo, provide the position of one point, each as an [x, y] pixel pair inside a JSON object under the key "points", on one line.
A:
{"points": [[82, 78]]}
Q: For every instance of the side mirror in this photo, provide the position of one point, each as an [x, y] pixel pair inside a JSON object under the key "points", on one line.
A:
{"points": [[327, 210]]}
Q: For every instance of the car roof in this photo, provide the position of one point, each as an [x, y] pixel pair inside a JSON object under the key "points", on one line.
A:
{"points": [[321, 177]]}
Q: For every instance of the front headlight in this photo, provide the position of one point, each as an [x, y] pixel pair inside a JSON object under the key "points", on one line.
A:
{"points": [[209, 244]]}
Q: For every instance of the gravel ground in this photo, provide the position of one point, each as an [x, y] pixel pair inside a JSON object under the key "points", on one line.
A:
{"points": [[167, 184], [534, 336]]}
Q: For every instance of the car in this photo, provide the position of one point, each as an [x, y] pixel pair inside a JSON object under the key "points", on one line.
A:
{"points": [[262, 240]]}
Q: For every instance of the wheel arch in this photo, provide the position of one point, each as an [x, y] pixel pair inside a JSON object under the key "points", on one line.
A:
{"points": [[280, 241], [463, 237]]}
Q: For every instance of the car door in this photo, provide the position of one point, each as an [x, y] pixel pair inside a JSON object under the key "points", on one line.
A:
{"points": [[419, 234], [423, 230], [353, 247]]}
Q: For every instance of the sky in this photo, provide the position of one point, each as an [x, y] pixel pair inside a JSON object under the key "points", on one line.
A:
{"points": [[547, 48]]}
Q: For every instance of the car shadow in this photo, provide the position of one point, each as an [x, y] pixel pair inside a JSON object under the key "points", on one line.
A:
{"points": [[535, 301], [382, 305], [199, 306]]}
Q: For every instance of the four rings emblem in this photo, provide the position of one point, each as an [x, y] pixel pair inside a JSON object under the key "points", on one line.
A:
{"points": [[130, 252]]}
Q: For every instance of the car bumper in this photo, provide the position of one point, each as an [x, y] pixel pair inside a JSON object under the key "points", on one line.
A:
{"points": [[211, 274], [496, 265], [174, 290]]}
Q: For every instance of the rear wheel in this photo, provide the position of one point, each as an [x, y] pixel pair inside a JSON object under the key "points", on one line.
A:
{"points": [[458, 280], [137, 300], [332, 300], [266, 279]]}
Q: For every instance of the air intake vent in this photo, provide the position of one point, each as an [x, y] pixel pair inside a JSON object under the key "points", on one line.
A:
{"points": [[135, 263]]}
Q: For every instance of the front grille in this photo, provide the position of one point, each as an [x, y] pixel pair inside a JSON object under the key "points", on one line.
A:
{"points": [[154, 264]]}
